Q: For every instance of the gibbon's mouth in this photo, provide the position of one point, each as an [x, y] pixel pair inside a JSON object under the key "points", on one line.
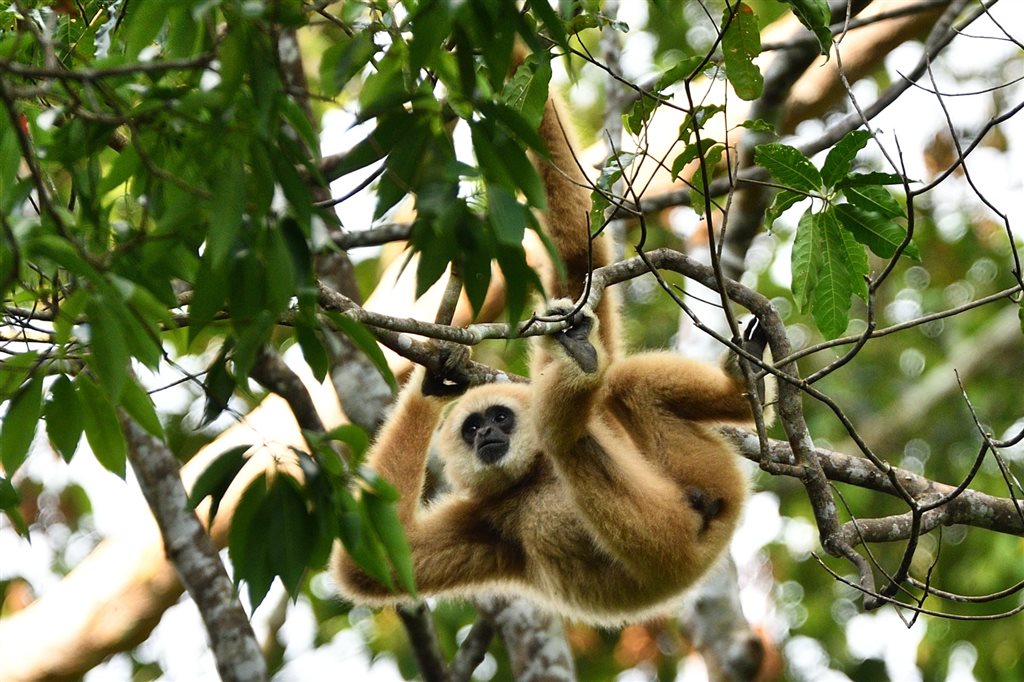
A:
{"points": [[491, 451]]}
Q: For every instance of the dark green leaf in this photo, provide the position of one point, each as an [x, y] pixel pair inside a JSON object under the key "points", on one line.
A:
{"points": [[218, 386], [313, 351], [102, 429], [527, 90], [804, 264], [389, 529], [857, 262], [208, 295], [830, 301], [681, 70], [139, 406], [343, 60], [217, 477], [741, 43], [784, 199], [19, 424], [360, 542], [353, 436], [109, 351], [875, 199], [552, 22], [875, 178], [840, 157], [705, 173], [875, 231], [636, 118], [14, 371], [63, 415], [9, 501], [789, 166], [292, 532], [507, 216], [816, 16], [249, 544], [366, 342], [431, 23], [226, 213]]}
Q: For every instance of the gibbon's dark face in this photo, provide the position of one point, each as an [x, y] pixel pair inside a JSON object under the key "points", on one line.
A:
{"points": [[489, 432]]}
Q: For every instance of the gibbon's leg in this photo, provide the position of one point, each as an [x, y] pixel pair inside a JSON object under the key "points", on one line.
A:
{"points": [[568, 197], [653, 383], [632, 508], [452, 549]]}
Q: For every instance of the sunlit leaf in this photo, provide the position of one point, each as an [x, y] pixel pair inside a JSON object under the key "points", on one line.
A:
{"points": [[19, 424], [840, 157], [741, 43], [789, 166], [830, 300]]}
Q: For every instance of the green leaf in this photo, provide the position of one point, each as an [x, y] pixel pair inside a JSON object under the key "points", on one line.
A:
{"points": [[552, 22], [875, 231], [741, 43], [830, 301], [816, 16], [356, 534], [639, 114], [507, 216], [874, 178], [527, 90], [14, 371], [63, 414], [431, 23], [249, 545], [789, 166], [102, 429], [705, 173], [353, 436], [19, 424], [313, 351], [292, 532], [681, 70], [690, 153], [784, 199], [215, 479], [9, 501], [227, 211], [344, 59], [875, 199], [389, 529], [840, 157], [108, 356], [366, 342], [857, 262], [139, 406], [803, 263]]}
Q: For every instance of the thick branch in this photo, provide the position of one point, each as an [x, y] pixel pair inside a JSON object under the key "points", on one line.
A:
{"points": [[190, 549]]}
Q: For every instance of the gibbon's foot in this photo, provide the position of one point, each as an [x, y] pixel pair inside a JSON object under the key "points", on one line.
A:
{"points": [[575, 338], [705, 505], [450, 380]]}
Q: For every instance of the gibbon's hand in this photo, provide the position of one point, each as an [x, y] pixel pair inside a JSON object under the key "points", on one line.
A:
{"points": [[575, 338], [450, 380]]}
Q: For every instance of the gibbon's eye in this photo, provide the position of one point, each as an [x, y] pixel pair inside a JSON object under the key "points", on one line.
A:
{"points": [[471, 426], [502, 417]]}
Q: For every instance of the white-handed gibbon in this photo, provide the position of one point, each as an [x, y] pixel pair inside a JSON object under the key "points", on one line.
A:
{"points": [[601, 489]]}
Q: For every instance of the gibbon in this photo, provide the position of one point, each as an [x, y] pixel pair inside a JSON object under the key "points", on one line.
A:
{"points": [[601, 489]]}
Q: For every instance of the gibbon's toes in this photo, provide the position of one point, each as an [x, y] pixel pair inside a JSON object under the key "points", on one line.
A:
{"points": [[708, 507], [449, 380]]}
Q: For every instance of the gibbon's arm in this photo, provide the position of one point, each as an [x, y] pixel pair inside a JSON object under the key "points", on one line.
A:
{"points": [[633, 510]]}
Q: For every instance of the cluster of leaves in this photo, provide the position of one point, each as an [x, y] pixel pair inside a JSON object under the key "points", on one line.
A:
{"points": [[829, 261], [289, 517]]}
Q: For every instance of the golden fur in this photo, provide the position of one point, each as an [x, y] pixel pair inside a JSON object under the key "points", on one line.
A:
{"points": [[592, 511]]}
